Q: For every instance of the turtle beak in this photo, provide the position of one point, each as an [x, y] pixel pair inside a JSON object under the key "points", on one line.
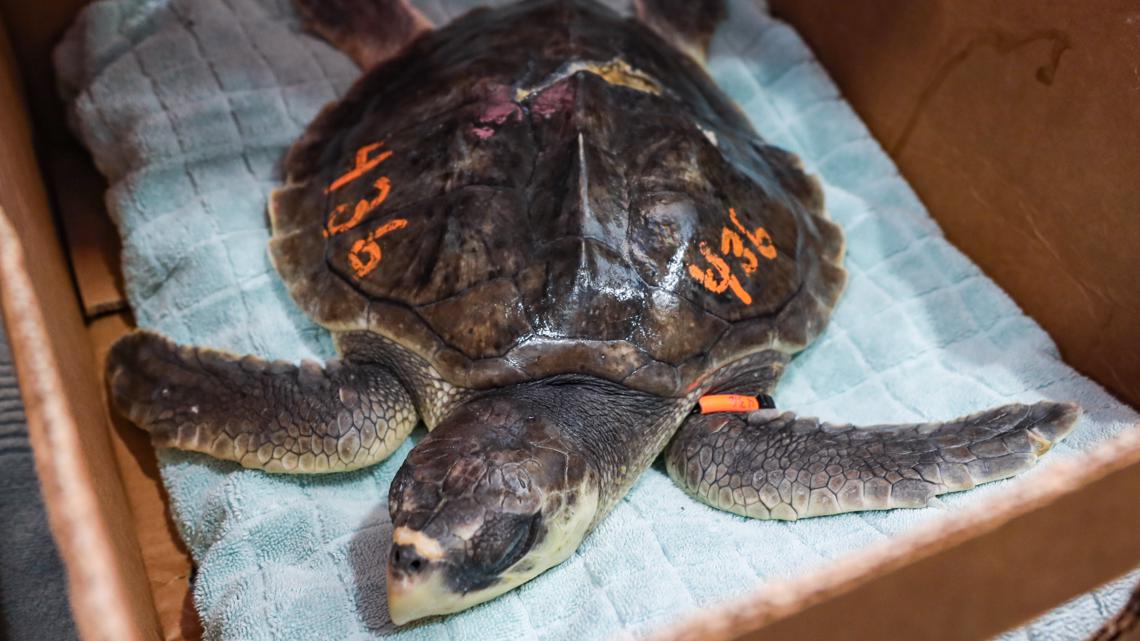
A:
{"points": [[415, 582], [418, 588], [416, 597], [421, 580]]}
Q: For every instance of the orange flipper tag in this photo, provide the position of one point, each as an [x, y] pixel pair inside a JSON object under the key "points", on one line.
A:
{"points": [[714, 403]]}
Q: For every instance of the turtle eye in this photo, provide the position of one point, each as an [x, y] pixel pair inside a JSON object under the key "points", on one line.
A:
{"points": [[523, 540], [503, 541]]}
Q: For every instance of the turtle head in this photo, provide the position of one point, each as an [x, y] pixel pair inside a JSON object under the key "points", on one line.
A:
{"points": [[495, 495]]}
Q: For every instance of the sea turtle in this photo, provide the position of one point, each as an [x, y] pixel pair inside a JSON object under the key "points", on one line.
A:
{"points": [[544, 232]]}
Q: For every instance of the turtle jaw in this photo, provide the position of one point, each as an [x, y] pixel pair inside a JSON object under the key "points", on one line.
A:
{"points": [[416, 597], [440, 582], [411, 598], [417, 581]]}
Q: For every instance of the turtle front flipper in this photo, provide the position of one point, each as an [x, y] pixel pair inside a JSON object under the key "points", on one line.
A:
{"points": [[369, 31], [769, 465], [273, 416], [687, 24]]}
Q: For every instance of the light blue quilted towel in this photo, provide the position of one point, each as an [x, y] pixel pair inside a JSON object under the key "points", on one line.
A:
{"points": [[188, 106]]}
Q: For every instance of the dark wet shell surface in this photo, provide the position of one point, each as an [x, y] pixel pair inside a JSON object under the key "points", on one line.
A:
{"points": [[550, 175]]}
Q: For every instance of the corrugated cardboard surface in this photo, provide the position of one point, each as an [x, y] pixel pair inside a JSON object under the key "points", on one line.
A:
{"points": [[129, 575], [1018, 123]]}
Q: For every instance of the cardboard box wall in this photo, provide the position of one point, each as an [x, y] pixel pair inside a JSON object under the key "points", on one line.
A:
{"points": [[1017, 122]]}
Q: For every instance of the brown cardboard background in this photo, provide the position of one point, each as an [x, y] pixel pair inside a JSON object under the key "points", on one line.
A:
{"points": [[76, 187], [1018, 124], [884, 54], [87, 508]]}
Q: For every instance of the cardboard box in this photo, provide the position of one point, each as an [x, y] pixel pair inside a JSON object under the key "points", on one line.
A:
{"points": [[1024, 141]]}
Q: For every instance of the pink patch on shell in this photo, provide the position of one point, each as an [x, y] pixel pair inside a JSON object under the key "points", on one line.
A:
{"points": [[497, 104], [555, 98], [483, 133], [498, 113]]}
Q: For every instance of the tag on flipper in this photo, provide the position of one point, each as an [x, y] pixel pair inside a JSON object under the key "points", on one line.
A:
{"points": [[737, 403]]}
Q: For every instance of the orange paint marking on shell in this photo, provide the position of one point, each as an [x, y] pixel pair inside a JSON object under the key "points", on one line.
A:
{"points": [[732, 243], [364, 163], [720, 280], [714, 403], [760, 238], [383, 188], [370, 249]]}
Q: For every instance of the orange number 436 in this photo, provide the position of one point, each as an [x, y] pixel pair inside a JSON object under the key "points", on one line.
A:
{"points": [[364, 256], [718, 276]]}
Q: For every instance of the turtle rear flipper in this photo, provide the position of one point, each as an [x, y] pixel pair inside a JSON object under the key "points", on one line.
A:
{"points": [[369, 31], [778, 466], [687, 24], [273, 416]]}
